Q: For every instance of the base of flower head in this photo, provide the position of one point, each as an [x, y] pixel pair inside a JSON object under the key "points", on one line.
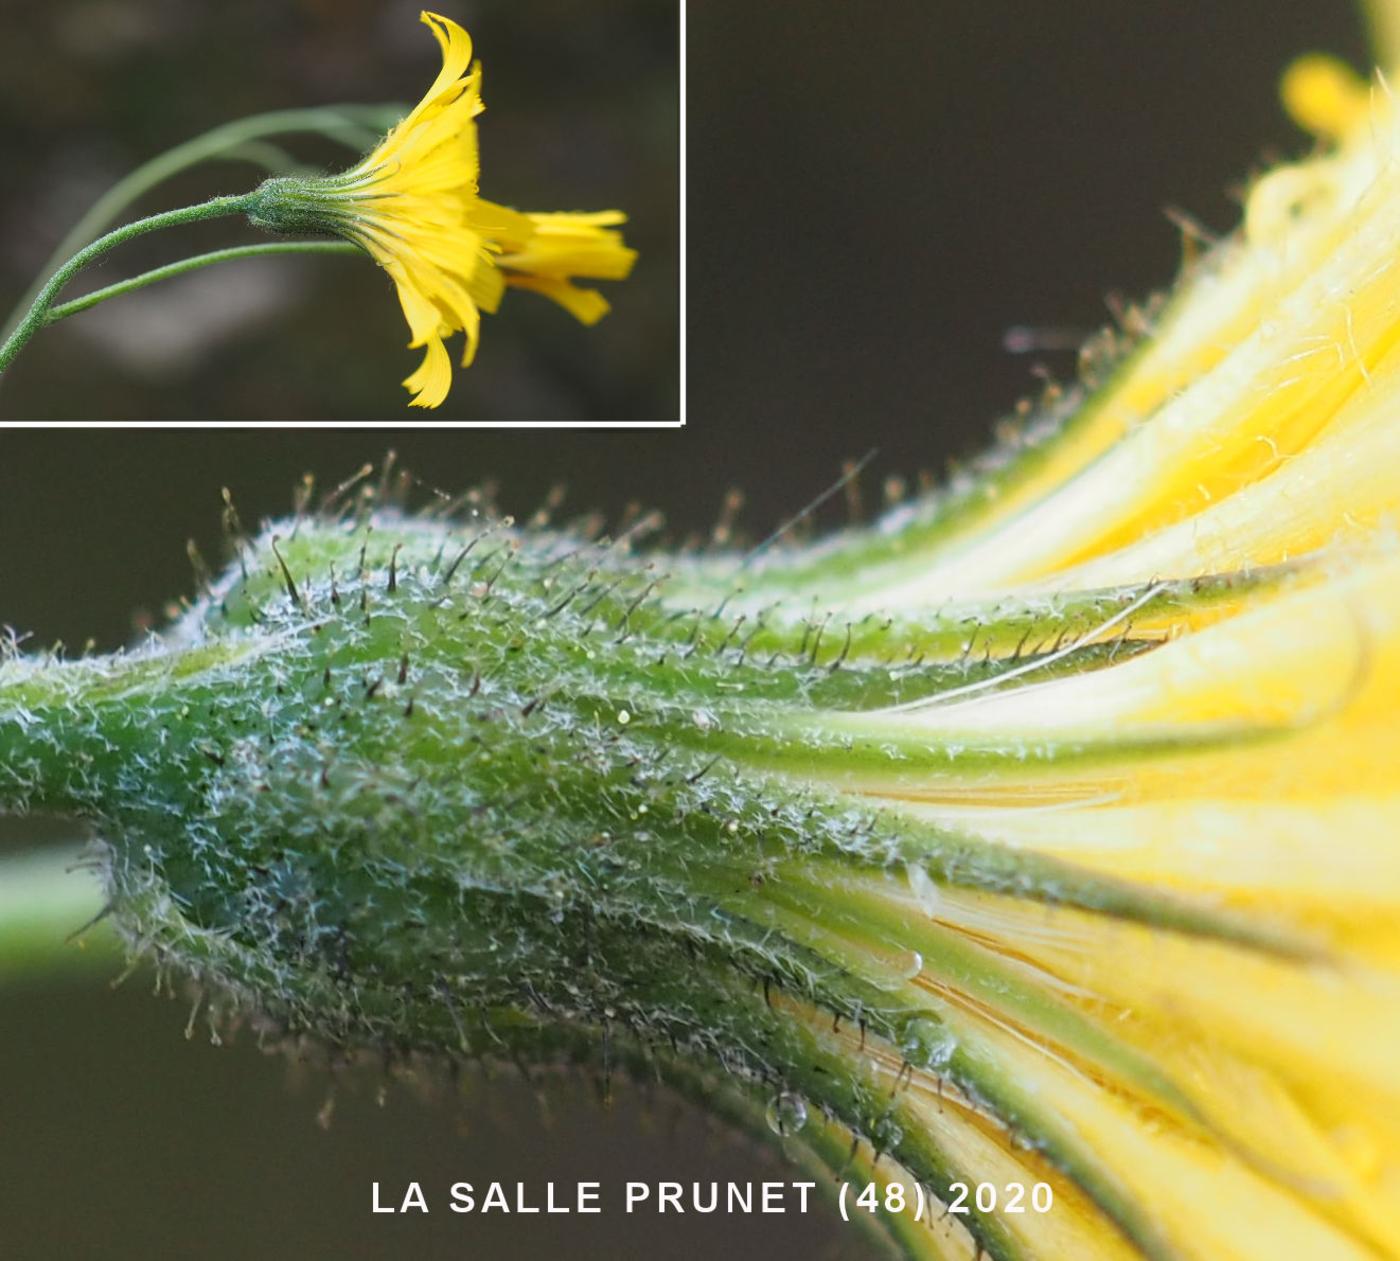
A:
{"points": [[297, 204]]}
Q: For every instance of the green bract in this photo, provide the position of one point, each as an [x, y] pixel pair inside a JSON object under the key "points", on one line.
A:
{"points": [[422, 784]]}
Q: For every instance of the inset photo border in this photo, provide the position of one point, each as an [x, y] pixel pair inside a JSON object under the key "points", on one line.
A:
{"points": [[361, 214]]}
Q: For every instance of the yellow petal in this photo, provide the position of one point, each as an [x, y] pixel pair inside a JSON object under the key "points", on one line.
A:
{"points": [[588, 306], [416, 208], [433, 378]]}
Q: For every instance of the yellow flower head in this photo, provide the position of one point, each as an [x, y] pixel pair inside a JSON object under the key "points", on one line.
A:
{"points": [[413, 205]]}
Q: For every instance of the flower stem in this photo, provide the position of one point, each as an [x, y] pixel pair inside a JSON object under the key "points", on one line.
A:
{"points": [[43, 899], [170, 270], [356, 126], [37, 315]]}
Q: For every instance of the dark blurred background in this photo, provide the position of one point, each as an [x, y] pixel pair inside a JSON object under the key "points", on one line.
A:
{"points": [[878, 192], [582, 114]]}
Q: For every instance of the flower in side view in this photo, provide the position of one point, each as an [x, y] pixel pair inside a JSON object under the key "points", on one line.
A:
{"points": [[413, 205]]}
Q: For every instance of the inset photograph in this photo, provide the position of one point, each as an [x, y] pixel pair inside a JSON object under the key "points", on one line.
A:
{"points": [[353, 213]]}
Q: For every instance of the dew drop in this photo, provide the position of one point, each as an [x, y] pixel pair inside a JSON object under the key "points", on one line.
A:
{"points": [[786, 1114], [891, 972], [623, 717], [928, 1043]]}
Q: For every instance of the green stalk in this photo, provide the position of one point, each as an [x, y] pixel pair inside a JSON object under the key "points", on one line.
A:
{"points": [[45, 897], [194, 263], [357, 126], [37, 315]]}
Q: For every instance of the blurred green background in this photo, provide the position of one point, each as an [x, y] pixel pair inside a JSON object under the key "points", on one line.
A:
{"points": [[582, 114], [878, 193]]}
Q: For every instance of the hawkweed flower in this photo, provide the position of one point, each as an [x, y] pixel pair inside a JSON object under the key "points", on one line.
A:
{"points": [[1032, 850], [414, 205]]}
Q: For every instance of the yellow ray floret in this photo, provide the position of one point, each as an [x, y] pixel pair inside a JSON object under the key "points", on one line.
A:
{"points": [[1155, 903]]}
